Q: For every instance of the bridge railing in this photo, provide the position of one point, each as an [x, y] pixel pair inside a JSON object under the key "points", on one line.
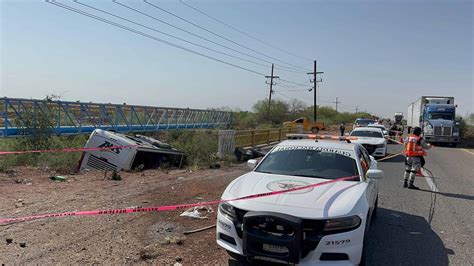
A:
{"points": [[64, 117]]}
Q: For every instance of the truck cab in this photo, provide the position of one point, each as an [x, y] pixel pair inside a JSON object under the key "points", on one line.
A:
{"points": [[439, 123]]}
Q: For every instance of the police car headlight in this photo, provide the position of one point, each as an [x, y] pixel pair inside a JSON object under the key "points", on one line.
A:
{"points": [[455, 134], [380, 146], [228, 210], [340, 225]]}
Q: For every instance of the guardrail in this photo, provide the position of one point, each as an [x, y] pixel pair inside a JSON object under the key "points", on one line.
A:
{"points": [[255, 137]]}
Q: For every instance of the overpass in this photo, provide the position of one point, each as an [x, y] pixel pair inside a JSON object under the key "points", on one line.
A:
{"points": [[19, 116]]}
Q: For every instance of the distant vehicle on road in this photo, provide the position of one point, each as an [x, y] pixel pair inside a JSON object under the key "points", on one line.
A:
{"points": [[311, 226], [436, 116], [373, 140], [397, 125], [363, 122], [306, 124]]}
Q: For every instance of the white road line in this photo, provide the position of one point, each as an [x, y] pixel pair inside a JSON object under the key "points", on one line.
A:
{"points": [[466, 150], [430, 182]]}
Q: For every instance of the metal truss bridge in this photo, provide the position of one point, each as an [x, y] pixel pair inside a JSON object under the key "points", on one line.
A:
{"points": [[19, 116]]}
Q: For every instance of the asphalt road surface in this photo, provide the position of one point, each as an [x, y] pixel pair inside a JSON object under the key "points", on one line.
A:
{"points": [[401, 233]]}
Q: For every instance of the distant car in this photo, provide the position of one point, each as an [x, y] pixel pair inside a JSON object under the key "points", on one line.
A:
{"points": [[373, 140], [363, 122], [321, 225], [382, 127]]}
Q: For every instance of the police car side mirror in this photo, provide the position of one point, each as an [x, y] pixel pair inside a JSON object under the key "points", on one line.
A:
{"points": [[251, 164], [374, 174]]}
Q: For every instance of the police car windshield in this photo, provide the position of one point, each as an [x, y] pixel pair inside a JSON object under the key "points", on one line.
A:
{"points": [[364, 121], [369, 134], [309, 162], [377, 126]]}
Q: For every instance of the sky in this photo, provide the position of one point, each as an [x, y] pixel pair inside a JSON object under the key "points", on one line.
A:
{"points": [[377, 56]]}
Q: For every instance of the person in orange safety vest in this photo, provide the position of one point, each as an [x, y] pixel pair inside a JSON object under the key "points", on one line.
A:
{"points": [[414, 151]]}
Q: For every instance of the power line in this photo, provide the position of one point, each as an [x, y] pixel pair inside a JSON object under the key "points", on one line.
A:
{"points": [[53, 2], [289, 97], [295, 83], [170, 35], [118, 25], [240, 31], [199, 36]]}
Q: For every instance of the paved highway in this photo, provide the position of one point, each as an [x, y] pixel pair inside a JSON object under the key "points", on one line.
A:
{"points": [[401, 233]]}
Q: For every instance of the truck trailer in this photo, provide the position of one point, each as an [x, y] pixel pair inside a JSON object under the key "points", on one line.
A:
{"points": [[436, 116]]}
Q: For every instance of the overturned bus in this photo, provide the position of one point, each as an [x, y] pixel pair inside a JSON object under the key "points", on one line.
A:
{"points": [[132, 152]]}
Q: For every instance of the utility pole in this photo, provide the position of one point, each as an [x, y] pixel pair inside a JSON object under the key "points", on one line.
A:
{"points": [[357, 109], [271, 90], [315, 82], [336, 102]]}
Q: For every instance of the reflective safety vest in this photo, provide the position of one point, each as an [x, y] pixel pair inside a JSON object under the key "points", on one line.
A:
{"points": [[413, 147]]}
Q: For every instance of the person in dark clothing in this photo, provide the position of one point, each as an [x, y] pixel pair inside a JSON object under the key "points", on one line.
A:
{"points": [[342, 128]]}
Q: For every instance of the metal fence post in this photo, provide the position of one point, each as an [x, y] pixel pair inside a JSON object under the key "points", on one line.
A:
{"points": [[226, 144], [253, 137]]}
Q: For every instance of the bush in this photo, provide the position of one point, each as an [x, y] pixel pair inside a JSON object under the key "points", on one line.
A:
{"points": [[200, 147], [64, 162]]}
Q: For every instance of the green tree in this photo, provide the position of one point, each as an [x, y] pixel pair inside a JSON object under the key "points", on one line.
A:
{"points": [[278, 112]]}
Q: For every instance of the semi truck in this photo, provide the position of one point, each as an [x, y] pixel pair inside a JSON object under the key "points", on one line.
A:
{"points": [[436, 116]]}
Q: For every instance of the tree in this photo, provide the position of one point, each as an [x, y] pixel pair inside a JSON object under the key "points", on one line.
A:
{"points": [[278, 112], [296, 107]]}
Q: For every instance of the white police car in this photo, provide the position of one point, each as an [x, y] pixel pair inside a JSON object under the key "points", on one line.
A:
{"points": [[324, 224], [373, 140]]}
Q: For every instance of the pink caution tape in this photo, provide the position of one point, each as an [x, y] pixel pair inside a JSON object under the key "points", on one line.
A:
{"points": [[67, 150], [166, 208]]}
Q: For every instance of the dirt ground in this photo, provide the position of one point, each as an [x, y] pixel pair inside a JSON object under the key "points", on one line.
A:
{"points": [[155, 238]]}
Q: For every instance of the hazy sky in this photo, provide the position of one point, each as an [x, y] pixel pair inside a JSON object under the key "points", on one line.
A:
{"points": [[377, 55]]}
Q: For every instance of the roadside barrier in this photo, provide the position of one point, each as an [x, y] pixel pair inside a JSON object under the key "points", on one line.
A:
{"points": [[166, 208]]}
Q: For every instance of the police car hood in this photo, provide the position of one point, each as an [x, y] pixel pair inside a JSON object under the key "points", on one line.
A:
{"points": [[369, 140], [328, 200]]}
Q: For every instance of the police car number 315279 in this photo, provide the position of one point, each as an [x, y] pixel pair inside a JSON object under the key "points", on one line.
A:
{"points": [[323, 224]]}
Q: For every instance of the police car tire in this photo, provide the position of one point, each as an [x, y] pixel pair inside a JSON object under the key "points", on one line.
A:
{"points": [[363, 258], [376, 206]]}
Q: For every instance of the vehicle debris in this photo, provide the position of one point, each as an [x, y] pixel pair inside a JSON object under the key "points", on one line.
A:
{"points": [[197, 212], [199, 229], [59, 178]]}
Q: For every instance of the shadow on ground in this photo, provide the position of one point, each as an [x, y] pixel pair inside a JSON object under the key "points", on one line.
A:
{"points": [[451, 195], [397, 238], [400, 158]]}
